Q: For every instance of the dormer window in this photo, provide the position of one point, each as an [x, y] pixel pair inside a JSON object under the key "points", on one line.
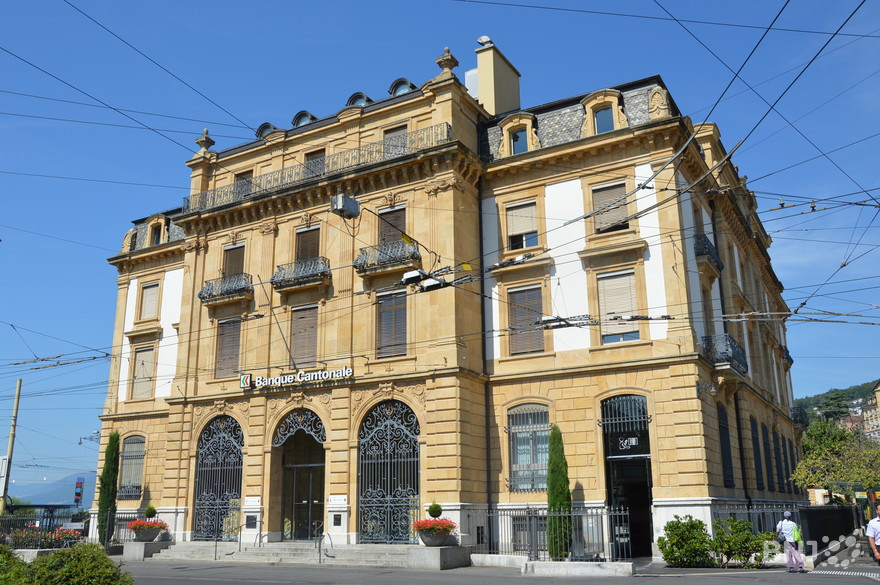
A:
{"points": [[302, 118], [358, 99], [603, 112], [603, 119], [519, 134], [156, 235], [519, 141], [400, 87]]}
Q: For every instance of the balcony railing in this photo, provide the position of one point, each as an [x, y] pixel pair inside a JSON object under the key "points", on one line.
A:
{"points": [[723, 349], [234, 285], [301, 272], [374, 152], [799, 416], [388, 254], [787, 356], [703, 246], [128, 492]]}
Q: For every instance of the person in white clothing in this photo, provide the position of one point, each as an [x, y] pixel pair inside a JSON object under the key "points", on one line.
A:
{"points": [[873, 534], [792, 553]]}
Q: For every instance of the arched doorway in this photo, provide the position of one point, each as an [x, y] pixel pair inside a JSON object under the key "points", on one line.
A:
{"points": [[301, 437], [628, 467], [388, 474], [219, 461]]}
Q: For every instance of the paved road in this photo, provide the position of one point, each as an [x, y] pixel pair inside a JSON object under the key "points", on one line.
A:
{"points": [[194, 573]]}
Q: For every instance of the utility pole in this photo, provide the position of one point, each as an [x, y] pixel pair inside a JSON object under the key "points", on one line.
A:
{"points": [[9, 449]]}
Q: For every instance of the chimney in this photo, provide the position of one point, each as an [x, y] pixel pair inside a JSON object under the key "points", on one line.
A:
{"points": [[497, 80]]}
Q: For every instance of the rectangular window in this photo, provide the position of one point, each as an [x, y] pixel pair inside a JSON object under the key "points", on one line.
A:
{"points": [[228, 338], [780, 475], [613, 208], [391, 225], [519, 141], [768, 458], [314, 163], [394, 142], [525, 309], [233, 261], [528, 428], [756, 453], [794, 486], [391, 329], [307, 242], [304, 337], [244, 176], [604, 120], [617, 300], [726, 455], [149, 301], [142, 373], [156, 235], [131, 469], [522, 226]]}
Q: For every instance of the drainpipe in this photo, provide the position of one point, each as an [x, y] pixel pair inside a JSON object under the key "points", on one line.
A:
{"points": [[487, 391], [739, 440]]}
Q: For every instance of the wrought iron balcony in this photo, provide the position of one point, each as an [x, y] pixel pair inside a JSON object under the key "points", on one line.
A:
{"points": [[302, 273], [703, 246], [389, 254], [799, 416], [787, 356], [370, 153], [227, 288], [723, 349], [128, 492]]}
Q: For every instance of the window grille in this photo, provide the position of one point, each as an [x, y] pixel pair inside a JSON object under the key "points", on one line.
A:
{"points": [[528, 429]]}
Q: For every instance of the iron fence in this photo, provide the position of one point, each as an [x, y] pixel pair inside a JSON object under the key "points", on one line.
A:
{"points": [[763, 517], [40, 526], [276, 180], [586, 534]]}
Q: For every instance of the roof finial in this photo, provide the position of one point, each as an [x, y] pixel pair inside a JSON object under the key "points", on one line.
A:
{"points": [[447, 61], [205, 142]]}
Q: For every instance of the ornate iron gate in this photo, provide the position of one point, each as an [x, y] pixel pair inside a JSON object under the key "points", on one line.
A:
{"points": [[388, 474], [218, 481]]}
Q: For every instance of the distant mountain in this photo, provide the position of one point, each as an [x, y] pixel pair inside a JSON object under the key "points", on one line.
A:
{"points": [[857, 392], [58, 492]]}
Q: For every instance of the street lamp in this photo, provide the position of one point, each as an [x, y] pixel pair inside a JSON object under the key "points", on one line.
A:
{"points": [[95, 437]]}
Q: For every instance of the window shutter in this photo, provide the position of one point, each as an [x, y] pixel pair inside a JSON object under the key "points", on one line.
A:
{"points": [[142, 378], [228, 334], [768, 458], [726, 455], [391, 224], [307, 244], [391, 334], [233, 261], [525, 308], [521, 219], [617, 297], [150, 301], [756, 453], [304, 337], [603, 197]]}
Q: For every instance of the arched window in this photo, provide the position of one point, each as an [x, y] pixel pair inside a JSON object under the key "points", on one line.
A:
{"points": [[726, 456], [131, 471], [528, 430]]}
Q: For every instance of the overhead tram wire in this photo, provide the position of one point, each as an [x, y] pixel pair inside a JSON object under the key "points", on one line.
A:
{"points": [[154, 62], [651, 17], [90, 180], [86, 104]]}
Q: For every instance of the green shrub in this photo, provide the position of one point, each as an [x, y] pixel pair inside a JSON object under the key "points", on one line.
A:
{"points": [[83, 564], [435, 510], [150, 512], [11, 567], [686, 543], [735, 542]]}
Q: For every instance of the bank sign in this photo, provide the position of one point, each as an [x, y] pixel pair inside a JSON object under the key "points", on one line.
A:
{"points": [[301, 377]]}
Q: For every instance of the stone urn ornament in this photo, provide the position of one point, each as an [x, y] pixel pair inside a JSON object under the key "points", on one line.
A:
{"points": [[146, 530]]}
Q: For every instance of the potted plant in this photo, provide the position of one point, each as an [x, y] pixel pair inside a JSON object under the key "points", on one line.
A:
{"points": [[434, 531], [146, 530], [150, 512]]}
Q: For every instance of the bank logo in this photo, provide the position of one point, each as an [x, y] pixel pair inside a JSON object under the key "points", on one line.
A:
{"points": [[244, 381]]}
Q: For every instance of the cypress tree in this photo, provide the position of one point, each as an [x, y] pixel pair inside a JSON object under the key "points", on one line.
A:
{"points": [[558, 498], [107, 494]]}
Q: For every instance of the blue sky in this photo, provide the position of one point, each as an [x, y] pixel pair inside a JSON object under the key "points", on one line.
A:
{"points": [[265, 61]]}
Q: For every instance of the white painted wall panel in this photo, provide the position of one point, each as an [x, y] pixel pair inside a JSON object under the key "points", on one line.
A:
{"points": [[125, 351], [568, 281], [649, 230], [166, 360]]}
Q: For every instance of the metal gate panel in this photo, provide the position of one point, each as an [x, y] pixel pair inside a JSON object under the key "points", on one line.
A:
{"points": [[388, 474], [219, 461]]}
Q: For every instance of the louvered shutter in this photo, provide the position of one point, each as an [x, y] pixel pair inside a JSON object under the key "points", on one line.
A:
{"points": [[233, 261], [228, 334], [525, 308], [391, 224], [307, 244], [609, 218], [304, 337], [391, 333], [617, 298], [142, 382], [150, 301], [521, 220]]}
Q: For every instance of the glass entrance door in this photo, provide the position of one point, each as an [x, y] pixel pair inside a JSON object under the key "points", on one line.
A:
{"points": [[304, 501]]}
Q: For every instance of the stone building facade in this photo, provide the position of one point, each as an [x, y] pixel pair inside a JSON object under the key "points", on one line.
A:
{"points": [[365, 313]]}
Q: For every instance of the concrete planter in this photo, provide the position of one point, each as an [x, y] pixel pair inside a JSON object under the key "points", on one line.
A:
{"points": [[146, 535], [430, 538]]}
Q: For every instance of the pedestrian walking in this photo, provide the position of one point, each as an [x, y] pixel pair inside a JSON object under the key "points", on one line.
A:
{"points": [[789, 534], [873, 534]]}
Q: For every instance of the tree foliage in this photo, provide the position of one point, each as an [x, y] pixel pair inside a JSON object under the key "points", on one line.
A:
{"points": [[686, 543], [836, 458], [735, 542], [558, 497], [107, 486]]}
